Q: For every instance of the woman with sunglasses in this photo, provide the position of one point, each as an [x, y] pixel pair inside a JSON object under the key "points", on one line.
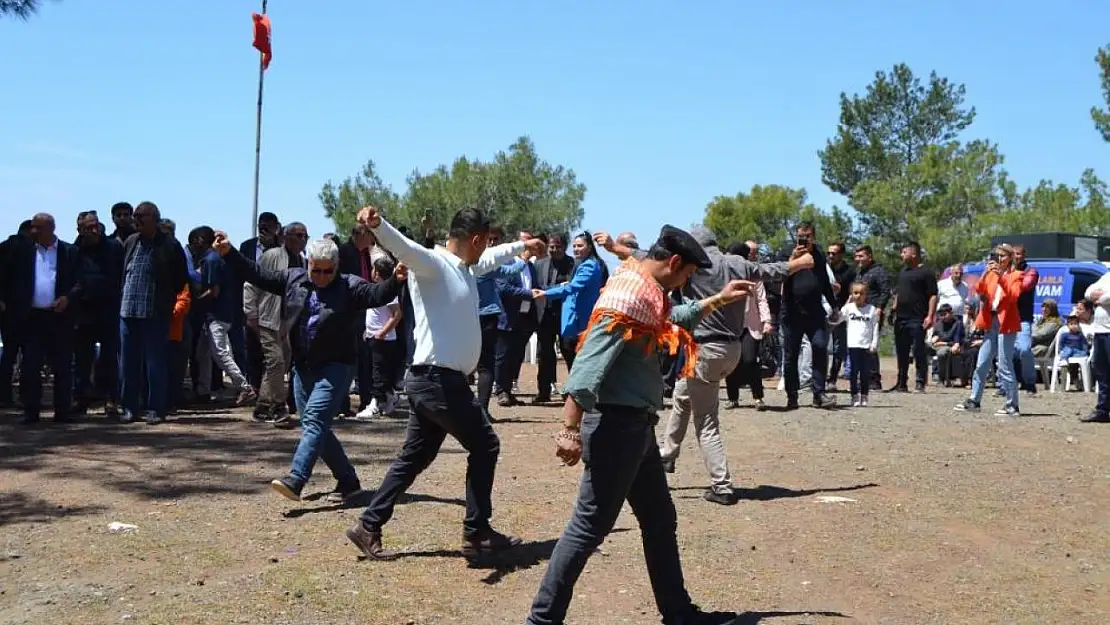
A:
{"points": [[579, 295], [324, 310]]}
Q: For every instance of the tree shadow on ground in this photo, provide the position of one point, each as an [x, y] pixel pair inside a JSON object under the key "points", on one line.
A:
{"points": [[363, 500], [755, 618], [501, 565], [171, 461], [17, 507], [767, 492]]}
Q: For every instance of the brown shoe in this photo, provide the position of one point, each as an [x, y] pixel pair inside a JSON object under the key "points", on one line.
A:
{"points": [[487, 543], [369, 543]]}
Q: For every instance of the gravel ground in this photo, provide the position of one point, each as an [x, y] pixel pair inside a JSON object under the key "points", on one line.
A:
{"points": [[946, 518]]}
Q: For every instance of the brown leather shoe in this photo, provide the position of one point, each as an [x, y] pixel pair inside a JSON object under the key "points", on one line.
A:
{"points": [[369, 543], [487, 543]]}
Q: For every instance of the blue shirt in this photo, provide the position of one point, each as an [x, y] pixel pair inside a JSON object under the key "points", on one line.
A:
{"points": [[138, 284], [214, 272]]}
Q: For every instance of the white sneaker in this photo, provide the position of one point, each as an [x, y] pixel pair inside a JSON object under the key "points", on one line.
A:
{"points": [[370, 411], [863, 401], [856, 402]]}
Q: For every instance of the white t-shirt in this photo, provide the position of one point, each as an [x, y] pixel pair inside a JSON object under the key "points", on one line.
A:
{"points": [[954, 296], [863, 325], [376, 318]]}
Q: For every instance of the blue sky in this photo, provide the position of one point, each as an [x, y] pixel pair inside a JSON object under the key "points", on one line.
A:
{"points": [[658, 106]]}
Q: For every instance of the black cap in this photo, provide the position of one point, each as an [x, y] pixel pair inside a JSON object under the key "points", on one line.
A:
{"points": [[682, 244]]}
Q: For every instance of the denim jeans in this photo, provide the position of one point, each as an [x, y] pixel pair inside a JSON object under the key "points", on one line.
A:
{"points": [[442, 404], [622, 463], [1024, 354], [318, 393], [1002, 346], [859, 378], [143, 347]]}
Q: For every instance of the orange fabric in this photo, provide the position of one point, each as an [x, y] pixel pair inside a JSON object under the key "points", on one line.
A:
{"points": [[180, 310], [1009, 320], [636, 305], [262, 38]]}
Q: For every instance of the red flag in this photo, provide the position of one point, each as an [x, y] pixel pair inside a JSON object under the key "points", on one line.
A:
{"points": [[262, 38]]}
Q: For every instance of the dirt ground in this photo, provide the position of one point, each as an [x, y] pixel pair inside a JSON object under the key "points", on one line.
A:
{"points": [[948, 519]]}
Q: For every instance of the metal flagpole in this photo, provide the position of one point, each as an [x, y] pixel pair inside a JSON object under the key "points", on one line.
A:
{"points": [[258, 133]]}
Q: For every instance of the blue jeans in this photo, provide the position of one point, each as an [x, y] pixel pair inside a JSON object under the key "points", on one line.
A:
{"points": [[859, 375], [319, 394], [1024, 353], [622, 463], [142, 356], [1004, 345]]}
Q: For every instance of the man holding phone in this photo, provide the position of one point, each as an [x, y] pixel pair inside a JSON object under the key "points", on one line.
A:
{"points": [[804, 295]]}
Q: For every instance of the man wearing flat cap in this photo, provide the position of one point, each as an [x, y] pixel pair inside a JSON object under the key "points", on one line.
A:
{"points": [[616, 380], [718, 337]]}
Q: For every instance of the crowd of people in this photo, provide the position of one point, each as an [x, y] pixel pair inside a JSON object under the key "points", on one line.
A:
{"points": [[123, 319]]}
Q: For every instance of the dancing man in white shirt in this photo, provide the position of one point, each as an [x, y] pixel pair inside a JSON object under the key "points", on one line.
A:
{"points": [[448, 343]]}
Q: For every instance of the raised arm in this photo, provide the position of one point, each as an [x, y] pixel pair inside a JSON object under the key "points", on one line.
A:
{"points": [[246, 269], [496, 256], [419, 259], [372, 294]]}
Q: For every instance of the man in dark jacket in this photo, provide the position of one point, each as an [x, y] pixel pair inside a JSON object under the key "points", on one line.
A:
{"points": [[9, 335], [98, 318], [123, 217], [804, 295], [515, 324], [154, 272], [325, 311], [845, 274], [878, 295], [46, 279], [558, 270]]}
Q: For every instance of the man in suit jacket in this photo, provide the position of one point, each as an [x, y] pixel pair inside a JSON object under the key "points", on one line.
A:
{"points": [[515, 325], [46, 276], [551, 270], [269, 231], [9, 334], [97, 318]]}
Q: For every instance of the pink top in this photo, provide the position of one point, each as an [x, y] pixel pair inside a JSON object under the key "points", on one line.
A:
{"points": [[758, 312]]}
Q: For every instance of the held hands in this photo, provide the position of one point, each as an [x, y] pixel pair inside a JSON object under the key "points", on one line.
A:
{"points": [[371, 216], [768, 327], [568, 446], [538, 294], [221, 243], [401, 273]]}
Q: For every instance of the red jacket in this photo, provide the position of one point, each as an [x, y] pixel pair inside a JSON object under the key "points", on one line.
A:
{"points": [[1009, 321]]}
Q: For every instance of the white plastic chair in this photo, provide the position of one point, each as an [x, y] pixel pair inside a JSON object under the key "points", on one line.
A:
{"points": [[1084, 363]]}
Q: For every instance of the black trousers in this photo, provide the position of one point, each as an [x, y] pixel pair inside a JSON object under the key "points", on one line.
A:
{"points": [[364, 374], [547, 335], [568, 345], [909, 338], [442, 404], [96, 375], [12, 338], [385, 357], [748, 371], [511, 345], [815, 328], [487, 360], [48, 339]]}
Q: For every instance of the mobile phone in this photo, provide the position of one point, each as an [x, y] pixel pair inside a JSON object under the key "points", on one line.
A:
{"points": [[993, 257], [803, 240]]}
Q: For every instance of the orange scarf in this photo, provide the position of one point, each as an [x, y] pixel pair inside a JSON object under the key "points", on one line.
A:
{"points": [[635, 303]]}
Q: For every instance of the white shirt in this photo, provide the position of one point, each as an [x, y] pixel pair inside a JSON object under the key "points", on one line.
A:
{"points": [[46, 275], [526, 282], [444, 298], [1100, 321], [954, 296], [376, 318], [863, 325]]}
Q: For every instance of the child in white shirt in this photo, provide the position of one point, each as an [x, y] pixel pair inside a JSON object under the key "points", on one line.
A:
{"points": [[863, 340], [380, 337]]}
